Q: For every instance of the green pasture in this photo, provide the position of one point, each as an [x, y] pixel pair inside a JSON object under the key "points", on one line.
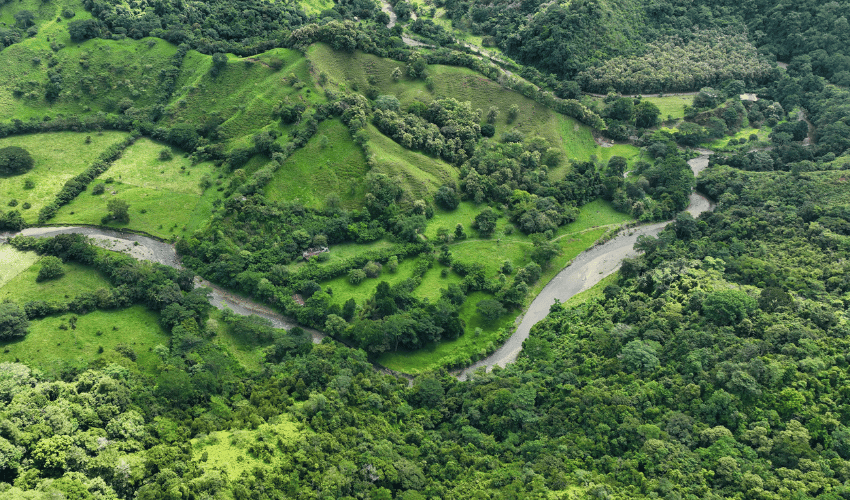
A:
{"points": [[50, 348], [316, 170], [140, 166], [14, 262], [228, 450], [244, 94], [592, 293], [580, 145], [723, 143], [420, 174], [314, 7], [343, 290], [77, 279], [353, 71], [165, 197], [672, 107], [58, 157], [160, 212]]}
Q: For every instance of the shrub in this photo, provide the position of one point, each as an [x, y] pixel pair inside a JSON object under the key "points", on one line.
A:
{"points": [[29, 184], [98, 188], [51, 268], [165, 154], [447, 198], [372, 269], [15, 160], [13, 321]]}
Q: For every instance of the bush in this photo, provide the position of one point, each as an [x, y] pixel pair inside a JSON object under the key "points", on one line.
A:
{"points": [[15, 160], [13, 322], [83, 30], [356, 276], [98, 188], [447, 198], [372, 269], [165, 154], [51, 268]]}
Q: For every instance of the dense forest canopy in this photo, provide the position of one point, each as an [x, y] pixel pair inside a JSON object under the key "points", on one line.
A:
{"points": [[714, 365]]}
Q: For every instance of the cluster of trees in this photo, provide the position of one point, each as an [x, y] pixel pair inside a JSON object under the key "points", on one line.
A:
{"points": [[15, 160], [445, 128], [676, 64]]}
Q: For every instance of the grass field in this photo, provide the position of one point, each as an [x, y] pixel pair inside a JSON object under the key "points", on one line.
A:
{"points": [[49, 348], [420, 174], [762, 133], [315, 171], [349, 71], [228, 450], [244, 94], [164, 196], [671, 107], [58, 157], [77, 279]]}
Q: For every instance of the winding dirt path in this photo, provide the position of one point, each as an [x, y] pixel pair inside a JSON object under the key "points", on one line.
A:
{"points": [[583, 272], [149, 249]]}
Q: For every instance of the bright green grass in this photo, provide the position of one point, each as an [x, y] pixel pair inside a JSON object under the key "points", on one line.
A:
{"points": [[47, 347], [595, 214], [313, 172], [77, 279], [420, 174], [580, 145], [58, 157], [159, 212], [14, 262], [671, 107], [140, 166], [228, 450], [762, 133], [244, 94], [313, 7], [344, 251], [343, 290], [249, 355]]}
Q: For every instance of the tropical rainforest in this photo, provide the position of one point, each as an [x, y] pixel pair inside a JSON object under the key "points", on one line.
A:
{"points": [[308, 218]]}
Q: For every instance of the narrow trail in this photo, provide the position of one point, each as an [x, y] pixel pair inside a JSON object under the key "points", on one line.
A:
{"points": [[585, 271]]}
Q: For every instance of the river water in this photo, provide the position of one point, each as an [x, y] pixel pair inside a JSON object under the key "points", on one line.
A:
{"points": [[585, 271]]}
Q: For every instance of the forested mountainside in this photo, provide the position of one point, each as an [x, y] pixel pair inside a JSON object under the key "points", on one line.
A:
{"points": [[402, 187]]}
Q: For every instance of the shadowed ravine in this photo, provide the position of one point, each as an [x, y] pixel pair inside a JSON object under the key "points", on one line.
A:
{"points": [[586, 270]]}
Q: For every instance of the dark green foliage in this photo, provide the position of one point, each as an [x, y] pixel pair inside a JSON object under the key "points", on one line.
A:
{"points": [[490, 309], [119, 211], [83, 29], [485, 222], [13, 321], [51, 268], [15, 160], [447, 197]]}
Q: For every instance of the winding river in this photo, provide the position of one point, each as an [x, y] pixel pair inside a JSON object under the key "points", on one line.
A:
{"points": [[583, 272], [586, 270]]}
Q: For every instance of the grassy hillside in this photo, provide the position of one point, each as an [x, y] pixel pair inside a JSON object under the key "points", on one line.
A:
{"points": [[58, 157]]}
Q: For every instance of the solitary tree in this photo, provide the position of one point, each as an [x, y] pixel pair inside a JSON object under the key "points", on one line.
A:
{"points": [[13, 321], [15, 160], [119, 211], [51, 268]]}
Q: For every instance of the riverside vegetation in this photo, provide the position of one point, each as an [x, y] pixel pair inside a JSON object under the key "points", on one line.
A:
{"points": [[449, 187]]}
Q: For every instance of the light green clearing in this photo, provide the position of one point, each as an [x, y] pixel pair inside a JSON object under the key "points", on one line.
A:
{"points": [[671, 107], [228, 450], [168, 192], [48, 348], [165, 213], [314, 7], [14, 262], [580, 145], [313, 172], [58, 157], [420, 174], [243, 94], [77, 279], [762, 133], [140, 166], [347, 71]]}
